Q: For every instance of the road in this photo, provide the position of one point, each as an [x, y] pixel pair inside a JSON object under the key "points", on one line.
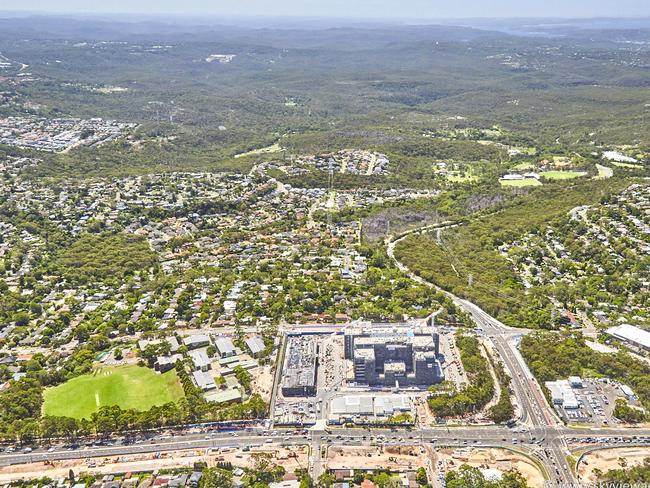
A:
{"points": [[535, 442], [533, 407], [539, 432]]}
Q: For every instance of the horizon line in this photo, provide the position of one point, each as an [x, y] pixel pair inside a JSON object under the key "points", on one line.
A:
{"points": [[383, 19]]}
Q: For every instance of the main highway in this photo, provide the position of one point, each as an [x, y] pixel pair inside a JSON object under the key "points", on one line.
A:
{"points": [[534, 411], [537, 442], [538, 433]]}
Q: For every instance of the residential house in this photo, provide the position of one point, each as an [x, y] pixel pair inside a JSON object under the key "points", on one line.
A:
{"points": [[225, 347]]}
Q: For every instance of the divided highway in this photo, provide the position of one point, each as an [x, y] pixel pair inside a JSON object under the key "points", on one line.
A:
{"points": [[539, 433], [535, 413]]}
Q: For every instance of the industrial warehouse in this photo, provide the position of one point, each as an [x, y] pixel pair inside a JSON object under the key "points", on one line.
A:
{"points": [[633, 337], [361, 408]]}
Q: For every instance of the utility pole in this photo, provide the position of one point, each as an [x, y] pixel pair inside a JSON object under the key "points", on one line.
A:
{"points": [[330, 195], [360, 229]]}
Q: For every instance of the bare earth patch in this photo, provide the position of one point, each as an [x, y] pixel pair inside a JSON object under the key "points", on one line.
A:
{"points": [[607, 459]]}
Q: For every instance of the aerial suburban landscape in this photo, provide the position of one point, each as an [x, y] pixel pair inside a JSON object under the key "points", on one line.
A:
{"points": [[319, 253]]}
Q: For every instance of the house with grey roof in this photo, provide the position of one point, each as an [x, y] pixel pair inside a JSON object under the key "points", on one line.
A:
{"points": [[256, 346], [204, 380], [225, 347], [197, 340], [200, 360]]}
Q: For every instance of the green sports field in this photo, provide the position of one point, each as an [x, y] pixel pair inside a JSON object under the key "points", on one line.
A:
{"points": [[626, 165], [127, 386], [521, 183], [524, 167], [562, 175]]}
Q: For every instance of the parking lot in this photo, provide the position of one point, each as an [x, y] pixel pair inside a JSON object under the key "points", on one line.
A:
{"points": [[451, 365], [597, 399]]}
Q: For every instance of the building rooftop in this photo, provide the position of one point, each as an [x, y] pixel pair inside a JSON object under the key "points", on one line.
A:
{"points": [[200, 358], [196, 339], [300, 363], [224, 345], [631, 333], [204, 380], [396, 367], [368, 405], [255, 344], [224, 396], [561, 392]]}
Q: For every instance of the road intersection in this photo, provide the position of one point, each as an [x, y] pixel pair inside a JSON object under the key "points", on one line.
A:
{"points": [[539, 433], [535, 412]]}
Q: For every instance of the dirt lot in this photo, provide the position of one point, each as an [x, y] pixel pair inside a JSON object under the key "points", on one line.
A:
{"points": [[396, 458], [376, 227], [290, 458], [410, 458], [500, 459], [607, 459], [263, 382]]}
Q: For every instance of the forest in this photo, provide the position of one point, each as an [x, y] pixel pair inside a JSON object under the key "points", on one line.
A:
{"points": [[553, 356], [316, 90], [466, 261], [481, 388]]}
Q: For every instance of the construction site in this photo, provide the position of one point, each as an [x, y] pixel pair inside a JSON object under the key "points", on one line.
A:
{"points": [[363, 373]]}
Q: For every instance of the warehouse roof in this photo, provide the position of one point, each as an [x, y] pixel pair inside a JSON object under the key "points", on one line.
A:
{"points": [[353, 405], [630, 333]]}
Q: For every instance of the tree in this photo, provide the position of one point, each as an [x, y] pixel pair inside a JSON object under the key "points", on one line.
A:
{"points": [[326, 480], [21, 319], [305, 478], [628, 414], [216, 478], [264, 470], [383, 479], [470, 477], [243, 377], [421, 476]]}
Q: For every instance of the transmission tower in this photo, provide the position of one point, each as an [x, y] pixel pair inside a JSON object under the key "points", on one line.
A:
{"points": [[329, 194]]}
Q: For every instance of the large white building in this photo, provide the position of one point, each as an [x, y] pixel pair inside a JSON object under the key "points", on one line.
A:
{"points": [[632, 335], [563, 394], [351, 406]]}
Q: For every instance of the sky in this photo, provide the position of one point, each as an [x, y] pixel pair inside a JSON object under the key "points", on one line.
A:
{"points": [[372, 9]]}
